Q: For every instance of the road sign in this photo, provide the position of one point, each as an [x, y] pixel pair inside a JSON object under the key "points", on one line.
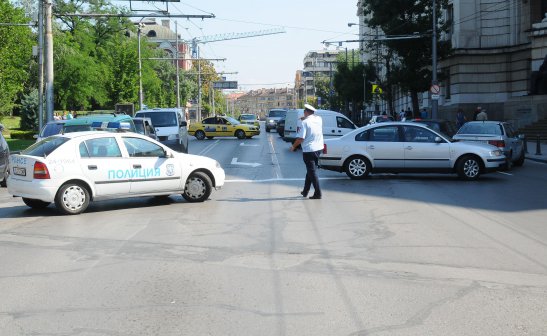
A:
{"points": [[435, 97], [435, 89], [377, 89], [221, 85]]}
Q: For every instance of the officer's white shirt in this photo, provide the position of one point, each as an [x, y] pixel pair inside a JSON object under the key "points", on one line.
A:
{"points": [[312, 133]]}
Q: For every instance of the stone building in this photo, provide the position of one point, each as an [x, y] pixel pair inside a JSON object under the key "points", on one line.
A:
{"points": [[262, 100], [166, 39]]}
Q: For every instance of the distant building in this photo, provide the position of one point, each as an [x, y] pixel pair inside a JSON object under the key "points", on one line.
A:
{"points": [[262, 100], [166, 39], [317, 64]]}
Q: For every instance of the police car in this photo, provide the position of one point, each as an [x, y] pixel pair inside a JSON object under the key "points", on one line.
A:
{"points": [[73, 169]]}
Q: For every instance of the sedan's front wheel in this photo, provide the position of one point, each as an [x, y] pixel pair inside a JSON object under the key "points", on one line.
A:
{"points": [[200, 135], [469, 167], [357, 167], [72, 199], [240, 134], [198, 187]]}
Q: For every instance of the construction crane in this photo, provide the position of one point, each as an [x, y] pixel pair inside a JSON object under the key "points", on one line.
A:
{"points": [[231, 36]]}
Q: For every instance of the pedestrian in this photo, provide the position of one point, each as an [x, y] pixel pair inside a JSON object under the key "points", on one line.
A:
{"points": [[310, 136], [408, 114], [460, 118], [477, 111], [56, 116], [423, 114], [402, 115], [482, 116]]}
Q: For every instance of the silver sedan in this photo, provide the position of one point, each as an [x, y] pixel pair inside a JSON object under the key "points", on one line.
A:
{"points": [[401, 147]]}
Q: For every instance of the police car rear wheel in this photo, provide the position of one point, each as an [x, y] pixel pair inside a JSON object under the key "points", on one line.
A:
{"points": [[240, 134], [198, 187], [72, 199], [200, 135], [34, 203]]}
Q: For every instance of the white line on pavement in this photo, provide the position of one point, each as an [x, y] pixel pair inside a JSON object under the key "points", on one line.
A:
{"points": [[208, 148], [282, 179], [504, 173], [275, 162]]}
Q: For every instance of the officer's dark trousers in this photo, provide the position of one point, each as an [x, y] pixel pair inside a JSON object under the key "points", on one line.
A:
{"points": [[311, 159]]}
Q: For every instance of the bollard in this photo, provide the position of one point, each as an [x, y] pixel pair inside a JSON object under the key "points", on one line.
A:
{"points": [[525, 145], [538, 146]]}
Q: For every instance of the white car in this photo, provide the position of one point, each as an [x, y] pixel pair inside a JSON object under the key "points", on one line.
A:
{"points": [[75, 168], [401, 147]]}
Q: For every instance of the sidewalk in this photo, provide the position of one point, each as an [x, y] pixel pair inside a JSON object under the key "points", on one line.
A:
{"points": [[532, 151]]}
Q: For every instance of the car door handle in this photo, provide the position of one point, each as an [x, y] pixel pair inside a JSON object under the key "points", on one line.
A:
{"points": [[409, 147], [371, 147], [92, 167], [137, 166]]}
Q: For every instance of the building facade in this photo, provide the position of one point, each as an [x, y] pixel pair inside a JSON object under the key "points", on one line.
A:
{"points": [[263, 100], [166, 39], [319, 64]]}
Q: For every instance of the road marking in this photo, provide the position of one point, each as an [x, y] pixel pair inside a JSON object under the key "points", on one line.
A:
{"points": [[277, 168], [283, 179], [208, 148], [504, 173], [249, 164], [243, 144]]}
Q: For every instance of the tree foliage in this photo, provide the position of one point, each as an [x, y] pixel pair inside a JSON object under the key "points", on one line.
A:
{"points": [[15, 54]]}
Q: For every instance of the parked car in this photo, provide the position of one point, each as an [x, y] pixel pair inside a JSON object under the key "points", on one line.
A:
{"points": [[4, 154], [144, 126], [249, 119], [274, 115], [170, 125], [380, 118], [497, 133], [439, 125], [223, 127], [51, 128], [401, 147], [73, 169]]}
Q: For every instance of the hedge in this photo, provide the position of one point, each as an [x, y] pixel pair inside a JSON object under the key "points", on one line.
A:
{"points": [[26, 135]]}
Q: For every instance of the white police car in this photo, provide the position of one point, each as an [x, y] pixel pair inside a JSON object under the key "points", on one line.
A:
{"points": [[75, 168]]}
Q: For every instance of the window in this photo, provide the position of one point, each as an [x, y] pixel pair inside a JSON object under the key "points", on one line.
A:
{"points": [[151, 33], [45, 147], [509, 131], [363, 136], [102, 147], [137, 147], [344, 123], [418, 134], [447, 92], [384, 134]]}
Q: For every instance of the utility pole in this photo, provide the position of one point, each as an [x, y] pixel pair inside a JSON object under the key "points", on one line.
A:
{"points": [[49, 59], [177, 56], [41, 64], [434, 102], [139, 32]]}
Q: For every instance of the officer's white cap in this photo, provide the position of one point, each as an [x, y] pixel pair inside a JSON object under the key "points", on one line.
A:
{"points": [[309, 107]]}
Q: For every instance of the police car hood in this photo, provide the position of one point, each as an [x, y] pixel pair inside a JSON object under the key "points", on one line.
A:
{"points": [[196, 159]]}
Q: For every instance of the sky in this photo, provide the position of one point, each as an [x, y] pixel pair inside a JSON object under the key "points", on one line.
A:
{"points": [[264, 61]]}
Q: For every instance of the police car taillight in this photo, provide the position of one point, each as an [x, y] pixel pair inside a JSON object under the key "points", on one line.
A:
{"points": [[40, 171]]}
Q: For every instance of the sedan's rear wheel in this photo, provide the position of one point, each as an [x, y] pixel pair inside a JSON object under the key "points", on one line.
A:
{"points": [[34, 203], [200, 135], [240, 134], [357, 167], [469, 167], [520, 160], [72, 199], [198, 187]]}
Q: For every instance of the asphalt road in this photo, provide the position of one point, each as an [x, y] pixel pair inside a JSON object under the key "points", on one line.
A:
{"points": [[390, 255]]}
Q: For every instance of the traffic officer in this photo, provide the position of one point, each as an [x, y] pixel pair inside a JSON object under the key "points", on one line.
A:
{"points": [[310, 136]]}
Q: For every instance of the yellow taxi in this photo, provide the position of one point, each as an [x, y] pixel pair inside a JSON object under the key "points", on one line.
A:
{"points": [[249, 119], [222, 126]]}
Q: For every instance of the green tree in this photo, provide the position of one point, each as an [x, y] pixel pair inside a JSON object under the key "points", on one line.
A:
{"points": [[15, 55], [412, 66], [29, 111]]}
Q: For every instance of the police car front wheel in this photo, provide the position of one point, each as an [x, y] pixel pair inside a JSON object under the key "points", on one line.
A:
{"points": [[198, 187], [72, 198]]}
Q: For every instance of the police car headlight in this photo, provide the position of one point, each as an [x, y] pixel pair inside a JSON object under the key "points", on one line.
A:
{"points": [[495, 153], [173, 137]]}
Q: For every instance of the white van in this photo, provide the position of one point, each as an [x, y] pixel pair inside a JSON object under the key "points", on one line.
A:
{"points": [[335, 124], [170, 125]]}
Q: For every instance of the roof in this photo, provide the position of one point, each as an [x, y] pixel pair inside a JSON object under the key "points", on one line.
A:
{"points": [[89, 119]]}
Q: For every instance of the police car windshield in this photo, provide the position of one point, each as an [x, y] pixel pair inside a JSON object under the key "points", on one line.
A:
{"points": [[45, 147], [160, 119], [51, 129]]}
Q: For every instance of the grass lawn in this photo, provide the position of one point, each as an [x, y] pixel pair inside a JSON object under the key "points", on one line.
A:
{"points": [[12, 123]]}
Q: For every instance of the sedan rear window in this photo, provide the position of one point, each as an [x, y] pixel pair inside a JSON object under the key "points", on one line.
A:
{"points": [[45, 147], [52, 129], [480, 128]]}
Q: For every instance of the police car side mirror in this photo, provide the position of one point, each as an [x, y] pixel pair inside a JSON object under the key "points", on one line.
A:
{"points": [[183, 123]]}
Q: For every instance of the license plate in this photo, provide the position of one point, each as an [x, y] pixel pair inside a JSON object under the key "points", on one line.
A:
{"points": [[19, 171]]}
